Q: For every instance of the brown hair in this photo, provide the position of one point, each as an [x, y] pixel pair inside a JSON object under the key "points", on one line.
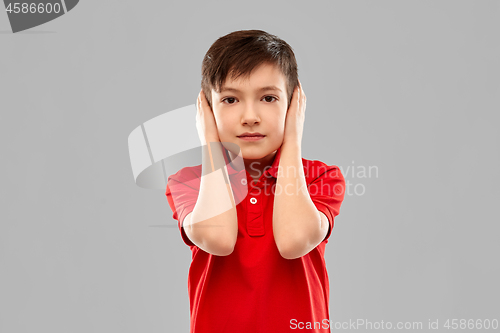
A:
{"points": [[239, 53]]}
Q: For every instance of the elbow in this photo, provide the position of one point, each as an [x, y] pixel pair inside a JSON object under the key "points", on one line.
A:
{"points": [[289, 255], [300, 245], [219, 246], [224, 252], [290, 251], [286, 255], [223, 249], [293, 249]]}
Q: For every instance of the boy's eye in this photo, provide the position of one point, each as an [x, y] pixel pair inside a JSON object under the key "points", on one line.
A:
{"points": [[228, 98], [232, 99], [270, 97]]}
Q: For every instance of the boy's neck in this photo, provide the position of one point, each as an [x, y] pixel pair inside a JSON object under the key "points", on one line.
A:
{"points": [[256, 167]]}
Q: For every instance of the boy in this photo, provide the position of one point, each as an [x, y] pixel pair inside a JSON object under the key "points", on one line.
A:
{"points": [[257, 265]]}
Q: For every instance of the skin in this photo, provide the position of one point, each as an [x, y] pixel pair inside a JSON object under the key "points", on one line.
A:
{"points": [[251, 110], [297, 226]]}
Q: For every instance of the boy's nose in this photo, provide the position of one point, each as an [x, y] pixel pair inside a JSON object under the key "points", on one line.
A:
{"points": [[250, 116]]}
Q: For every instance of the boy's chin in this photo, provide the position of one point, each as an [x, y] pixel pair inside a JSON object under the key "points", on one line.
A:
{"points": [[256, 153]]}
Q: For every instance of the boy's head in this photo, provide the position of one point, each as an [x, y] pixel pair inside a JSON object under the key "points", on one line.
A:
{"points": [[245, 62], [237, 54]]}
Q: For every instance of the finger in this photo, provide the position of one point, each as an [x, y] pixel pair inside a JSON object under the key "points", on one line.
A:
{"points": [[203, 98], [302, 93], [204, 103], [294, 97]]}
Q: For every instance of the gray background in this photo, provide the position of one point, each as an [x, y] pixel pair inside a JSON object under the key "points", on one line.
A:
{"points": [[411, 87]]}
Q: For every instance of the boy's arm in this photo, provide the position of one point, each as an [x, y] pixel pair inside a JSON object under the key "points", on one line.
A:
{"points": [[298, 226], [213, 223]]}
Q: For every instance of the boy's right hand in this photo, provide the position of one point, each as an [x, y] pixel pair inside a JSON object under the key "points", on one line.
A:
{"points": [[205, 121]]}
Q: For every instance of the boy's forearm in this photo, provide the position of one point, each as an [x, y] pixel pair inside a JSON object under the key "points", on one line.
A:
{"points": [[214, 218], [295, 217]]}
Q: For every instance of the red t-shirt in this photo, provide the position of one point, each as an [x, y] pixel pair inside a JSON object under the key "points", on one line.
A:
{"points": [[255, 289]]}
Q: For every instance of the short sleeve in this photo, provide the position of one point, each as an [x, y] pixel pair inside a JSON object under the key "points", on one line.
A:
{"points": [[327, 191], [182, 192]]}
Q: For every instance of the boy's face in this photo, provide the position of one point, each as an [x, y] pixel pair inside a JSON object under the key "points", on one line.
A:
{"points": [[250, 109]]}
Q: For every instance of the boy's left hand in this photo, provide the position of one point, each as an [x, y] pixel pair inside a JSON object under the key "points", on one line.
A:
{"points": [[295, 116]]}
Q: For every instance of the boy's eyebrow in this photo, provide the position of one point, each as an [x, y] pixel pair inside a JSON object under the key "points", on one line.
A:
{"points": [[261, 89]]}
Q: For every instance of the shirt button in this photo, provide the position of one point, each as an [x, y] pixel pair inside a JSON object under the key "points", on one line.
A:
{"points": [[253, 201]]}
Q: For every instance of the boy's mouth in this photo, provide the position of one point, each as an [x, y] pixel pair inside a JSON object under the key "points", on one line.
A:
{"points": [[247, 134], [251, 137]]}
